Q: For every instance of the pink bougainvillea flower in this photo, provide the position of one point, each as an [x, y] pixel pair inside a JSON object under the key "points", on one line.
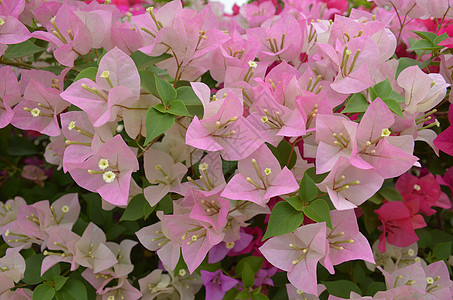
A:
{"points": [[349, 186], [9, 94], [424, 190], [12, 31], [91, 250], [260, 177], [398, 225], [163, 173], [217, 284], [108, 171], [225, 130], [60, 239], [444, 140], [13, 269], [345, 242], [39, 110], [67, 34], [298, 253], [117, 86]]}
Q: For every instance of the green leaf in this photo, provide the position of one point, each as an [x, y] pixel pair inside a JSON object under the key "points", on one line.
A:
{"points": [[397, 97], [178, 108], [166, 205], [248, 276], [426, 35], [307, 189], [440, 38], [319, 211], [231, 294], [390, 193], [59, 282], [295, 202], [32, 273], [135, 208], [383, 89], [423, 45], [282, 152], [370, 218], [52, 272], [284, 219], [376, 287], [143, 61], [259, 297], [244, 294], [376, 199], [157, 123], [89, 73], [341, 288], [357, 103], [187, 95], [394, 106], [148, 82], [18, 146], [442, 250], [373, 94], [43, 292], [166, 91], [23, 49], [255, 262], [72, 290]]}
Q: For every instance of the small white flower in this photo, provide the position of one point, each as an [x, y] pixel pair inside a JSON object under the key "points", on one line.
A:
{"points": [[71, 125], [417, 187], [103, 163], [229, 245], [267, 171], [182, 272], [385, 132], [109, 176], [65, 209], [429, 280], [203, 167], [252, 64], [2, 21], [105, 74], [35, 112], [411, 252]]}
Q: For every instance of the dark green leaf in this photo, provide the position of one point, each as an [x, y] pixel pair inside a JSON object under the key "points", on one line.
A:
{"points": [[376, 287], [254, 262], [282, 152], [157, 123], [72, 290], [376, 199], [319, 211], [89, 73], [23, 49], [390, 194], [52, 272], [357, 103], [148, 82], [341, 288], [248, 276], [284, 219], [295, 202], [114, 230], [32, 273], [165, 90], [135, 208], [165, 205], [397, 97], [307, 189], [383, 89], [178, 108], [59, 282], [394, 106], [187, 95], [244, 294], [43, 292], [442, 250], [143, 61], [370, 218], [18, 146], [259, 297], [231, 294]]}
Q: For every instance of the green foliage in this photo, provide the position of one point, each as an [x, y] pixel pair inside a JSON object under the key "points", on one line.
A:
{"points": [[44, 291], [390, 194], [23, 49], [72, 290], [341, 288], [319, 211], [307, 189], [357, 103], [284, 219], [89, 73], [137, 208], [284, 152], [157, 123]]}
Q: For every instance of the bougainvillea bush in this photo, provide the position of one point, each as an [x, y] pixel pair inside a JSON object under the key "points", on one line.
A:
{"points": [[295, 149]]}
